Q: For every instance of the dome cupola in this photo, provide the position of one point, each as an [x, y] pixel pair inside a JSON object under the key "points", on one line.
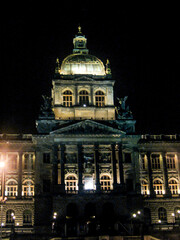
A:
{"points": [[80, 62]]}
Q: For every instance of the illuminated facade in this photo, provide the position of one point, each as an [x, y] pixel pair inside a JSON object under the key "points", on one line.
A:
{"points": [[86, 172]]}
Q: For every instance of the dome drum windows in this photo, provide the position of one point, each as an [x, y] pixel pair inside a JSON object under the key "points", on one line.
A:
{"points": [[67, 98], [84, 98], [99, 99]]}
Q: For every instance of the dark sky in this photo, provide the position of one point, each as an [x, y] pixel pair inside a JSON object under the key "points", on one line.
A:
{"points": [[141, 42]]}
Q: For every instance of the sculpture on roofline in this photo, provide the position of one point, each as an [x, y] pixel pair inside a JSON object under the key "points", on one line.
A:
{"points": [[46, 108], [122, 109]]}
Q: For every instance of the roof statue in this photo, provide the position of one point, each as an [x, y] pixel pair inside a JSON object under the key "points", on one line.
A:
{"points": [[46, 108], [122, 109]]}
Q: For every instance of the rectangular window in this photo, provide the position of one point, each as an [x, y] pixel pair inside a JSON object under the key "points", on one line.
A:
{"points": [[170, 161], [12, 161], [127, 157], [46, 157], [143, 161], [155, 161], [28, 161]]}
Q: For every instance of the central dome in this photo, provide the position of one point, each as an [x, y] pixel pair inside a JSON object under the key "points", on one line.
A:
{"points": [[85, 64]]}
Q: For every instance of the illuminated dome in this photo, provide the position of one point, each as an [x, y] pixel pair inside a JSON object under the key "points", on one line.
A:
{"points": [[80, 63]]}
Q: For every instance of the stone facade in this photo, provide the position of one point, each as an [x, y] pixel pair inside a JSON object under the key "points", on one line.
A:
{"points": [[86, 172]]}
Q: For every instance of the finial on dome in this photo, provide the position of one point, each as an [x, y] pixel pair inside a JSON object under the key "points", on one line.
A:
{"points": [[79, 29]]}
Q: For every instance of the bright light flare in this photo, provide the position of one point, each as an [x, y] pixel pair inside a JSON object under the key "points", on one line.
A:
{"points": [[2, 164]]}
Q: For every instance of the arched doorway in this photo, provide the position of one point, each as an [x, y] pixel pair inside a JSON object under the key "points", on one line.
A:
{"points": [[90, 218], [71, 219], [107, 218]]}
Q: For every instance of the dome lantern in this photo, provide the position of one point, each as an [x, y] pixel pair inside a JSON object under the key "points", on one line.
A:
{"points": [[80, 42]]}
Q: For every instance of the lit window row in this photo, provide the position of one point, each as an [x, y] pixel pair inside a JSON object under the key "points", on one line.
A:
{"points": [[156, 161], [71, 183], [11, 188], [12, 161], [159, 188], [84, 97]]}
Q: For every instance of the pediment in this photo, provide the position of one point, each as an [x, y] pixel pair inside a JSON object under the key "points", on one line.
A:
{"points": [[88, 127], [83, 78]]}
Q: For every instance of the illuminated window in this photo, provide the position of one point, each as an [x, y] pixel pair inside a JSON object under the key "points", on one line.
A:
{"points": [[105, 182], [10, 216], [71, 183], [144, 187], [83, 98], [28, 161], [11, 188], [67, 98], [173, 185], [162, 214], [143, 161], [88, 183], [155, 161], [170, 161], [99, 99], [158, 187], [28, 188], [27, 217], [12, 161]]}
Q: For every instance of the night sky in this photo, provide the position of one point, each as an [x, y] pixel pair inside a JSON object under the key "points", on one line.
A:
{"points": [[141, 42]]}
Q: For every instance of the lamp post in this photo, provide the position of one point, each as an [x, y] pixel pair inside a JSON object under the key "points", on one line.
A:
{"points": [[2, 198]]}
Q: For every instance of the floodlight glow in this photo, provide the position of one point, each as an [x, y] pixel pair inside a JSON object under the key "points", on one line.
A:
{"points": [[88, 183], [134, 215], [2, 164]]}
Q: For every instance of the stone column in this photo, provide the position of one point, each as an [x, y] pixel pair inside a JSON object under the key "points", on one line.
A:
{"points": [[151, 188], [96, 161], [76, 95], [91, 95], [80, 169], [62, 161], [55, 167], [113, 161], [20, 175], [165, 176], [120, 163]]}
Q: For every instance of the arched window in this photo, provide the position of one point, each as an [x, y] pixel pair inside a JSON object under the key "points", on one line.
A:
{"points": [[144, 187], [158, 187], [99, 99], [67, 98], [162, 214], [11, 188], [173, 185], [27, 217], [28, 188], [83, 98], [105, 182], [71, 183], [10, 216]]}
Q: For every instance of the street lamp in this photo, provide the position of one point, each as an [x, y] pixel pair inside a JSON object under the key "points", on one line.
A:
{"points": [[2, 199]]}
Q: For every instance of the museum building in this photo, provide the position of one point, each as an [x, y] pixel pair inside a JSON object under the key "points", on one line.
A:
{"points": [[86, 171]]}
